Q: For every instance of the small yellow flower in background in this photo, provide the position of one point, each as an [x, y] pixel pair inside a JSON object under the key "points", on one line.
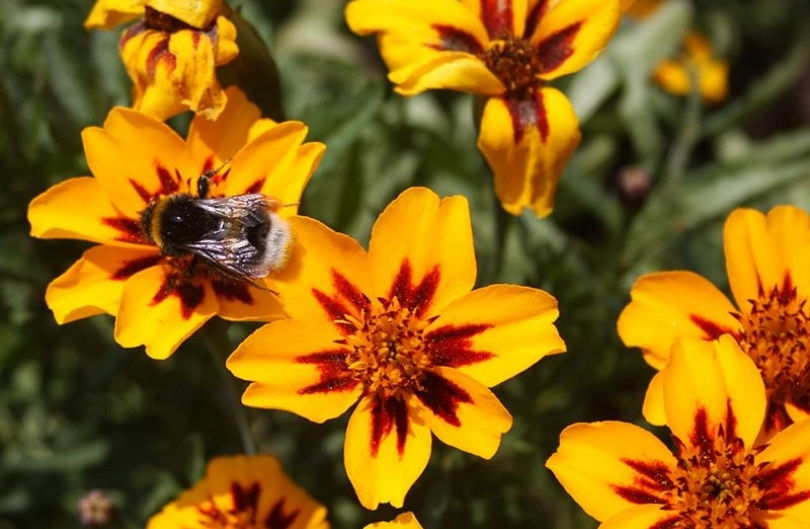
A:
{"points": [[405, 520], [241, 492], [160, 300], [625, 477], [675, 76], [768, 265], [507, 51], [398, 329], [171, 53]]}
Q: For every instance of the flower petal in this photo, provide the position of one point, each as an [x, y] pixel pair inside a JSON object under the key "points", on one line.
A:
{"points": [[241, 301], [106, 14], [386, 449], [666, 306], [786, 479], [763, 253], [604, 466], [462, 412], [213, 142], [653, 408], [421, 250], [324, 266], [718, 382], [527, 144], [573, 32], [94, 284], [160, 315], [500, 17], [494, 333], [450, 70], [79, 208], [197, 14], [298, 367], [135, 157], [642, 517], [405, 520], [194, 77]]}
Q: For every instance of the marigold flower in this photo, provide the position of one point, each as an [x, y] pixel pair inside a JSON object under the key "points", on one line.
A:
{"points": [[676, 75], [405, 520], [172, 52], [625, 477], [505, 50], [398, 330], [160, 300], [768, 267], [241, 492]]}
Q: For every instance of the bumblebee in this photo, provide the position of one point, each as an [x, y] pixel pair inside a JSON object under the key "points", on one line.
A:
{"points": [[241, 236]]}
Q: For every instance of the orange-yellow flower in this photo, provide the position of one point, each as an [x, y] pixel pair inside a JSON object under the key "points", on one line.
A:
{"points": [[160, 300], [696, 60], [625, 477], [242, 492], [397, 329], [405, 520], [507, 51], [768, 265], [172, 52]]}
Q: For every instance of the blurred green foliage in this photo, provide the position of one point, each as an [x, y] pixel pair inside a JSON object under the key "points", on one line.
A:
{"points": [[77, 412]]}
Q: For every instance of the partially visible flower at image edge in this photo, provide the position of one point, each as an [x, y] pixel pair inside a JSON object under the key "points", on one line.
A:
{"points": [[171, 52], [509, 52], [158, 300], [626, 478], [768, 267], [405, 520], [240, 492], [398, 331]]}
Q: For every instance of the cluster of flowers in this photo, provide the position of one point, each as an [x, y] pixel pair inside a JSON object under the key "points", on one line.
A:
{"points": [[398, 330]]}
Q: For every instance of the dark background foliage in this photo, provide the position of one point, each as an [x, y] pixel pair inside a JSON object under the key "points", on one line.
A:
{"points": [[79, 413]]}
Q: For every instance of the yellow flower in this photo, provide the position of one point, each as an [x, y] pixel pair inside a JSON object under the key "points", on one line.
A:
{"points": [[242, 492], [768, 265], [675, 76], [405, 520], [160, 300], [172, 52], [397, 329], [625, 477], [507, 51]]}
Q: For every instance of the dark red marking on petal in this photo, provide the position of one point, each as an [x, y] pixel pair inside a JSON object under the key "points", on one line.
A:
{"points": [[349, 291], [730, 428], [168, 184], [442, 397], [133, 30], [130, 229], [276, 519], [388, 414], [711, 330], [674, 522], [419, 297], [701, 438], [232, 291], [777, 418], [190, 295], [777, 483], [497, 17], [160, 54], [256, 186], [788, 292], [528, 113], [555, 49], [333, 371], [346, 297], [454, 39], [653, 475], [637, 496], [208, 164], [534, 17], [145, 195], [195, 39], [245, 499], [450, 345], [134, 266]]}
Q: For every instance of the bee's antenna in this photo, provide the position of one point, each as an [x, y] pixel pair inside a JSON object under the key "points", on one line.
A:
{"points": [[204, 181], [290, 205]]}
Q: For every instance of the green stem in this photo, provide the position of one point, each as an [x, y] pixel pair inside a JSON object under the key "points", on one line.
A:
{"points": [[503, 221]]}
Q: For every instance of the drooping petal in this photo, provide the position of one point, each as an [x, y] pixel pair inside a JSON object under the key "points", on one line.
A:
{"points": [[405, 520], [106, 14], [213, 142], [326, 275], [708, 384], [94, 284], [642, 517], [608, 467], [666, 306], [421, 250], [296, 366], [277, 164], [79, 208], [763, 253], [461, 412], [198, 14], [572, 33], [160, 312], [527, 143], [786, 478], [135, 157], [653, 407], [494, 333], [386, 449]]}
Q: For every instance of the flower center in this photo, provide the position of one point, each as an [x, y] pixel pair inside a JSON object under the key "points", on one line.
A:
{"points": [[715, 486], [517, 63], [388, 353], [775, 335], [240, 515]]}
